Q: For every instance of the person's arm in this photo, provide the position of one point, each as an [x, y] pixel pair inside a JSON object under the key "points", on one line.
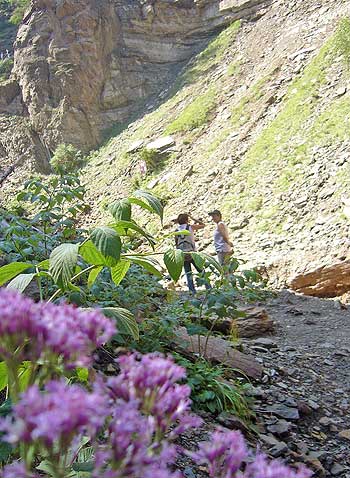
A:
{"points": [[223, 232], [198, 223]]}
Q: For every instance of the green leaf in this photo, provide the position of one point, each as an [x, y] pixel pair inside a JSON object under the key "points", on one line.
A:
{"points": [[44, 264], [147, 263], [92, 255], [21, 282], [87, 467], [6, 408], [122, 226], [210, 260], [63, 260], [24, 375], [10, 271], [119, 271], [126, 322], [198, 259], [82, 374], [121, 210], [3, 376], [107, 241], [153, 203], [46, 467], [5, 451], [174, 261], [93, 276]]}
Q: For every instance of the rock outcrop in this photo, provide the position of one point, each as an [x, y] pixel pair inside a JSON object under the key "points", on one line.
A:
{"points": [[331, 281], [83, 66]]}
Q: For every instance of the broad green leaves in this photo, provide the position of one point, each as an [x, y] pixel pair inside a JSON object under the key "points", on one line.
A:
{"points": [[3, 376], [148, 263], [199, 260], [122, 226], [126, 322], [92, 255], [121, 210], [107, 241], [119, 271], [174, 261], [93, 276], [211, 261], [21, 282], [10, 271], [63, 260], [145, 200]]}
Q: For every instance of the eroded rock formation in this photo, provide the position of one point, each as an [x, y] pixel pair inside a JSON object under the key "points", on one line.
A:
{"points": [[330, 281], [81, 66]]}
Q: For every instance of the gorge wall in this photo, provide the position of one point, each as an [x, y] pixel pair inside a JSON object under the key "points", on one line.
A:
{"points": [[83, 66]]}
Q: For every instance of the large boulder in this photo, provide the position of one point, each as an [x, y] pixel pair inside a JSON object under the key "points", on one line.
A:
{"points": [[327, 281]]}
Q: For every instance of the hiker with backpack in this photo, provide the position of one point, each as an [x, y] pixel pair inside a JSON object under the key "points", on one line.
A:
{"points": [[186, 243]]}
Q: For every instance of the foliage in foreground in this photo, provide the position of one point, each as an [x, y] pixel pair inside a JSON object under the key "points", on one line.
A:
{"points": [[6, 66], [116, 428]]}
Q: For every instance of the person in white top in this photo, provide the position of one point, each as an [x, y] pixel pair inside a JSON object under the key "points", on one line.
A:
{"points": [[186, 243], [222, 243]]}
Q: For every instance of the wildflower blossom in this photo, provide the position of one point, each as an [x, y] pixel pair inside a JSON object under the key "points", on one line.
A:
{"points": [[151, 379], [34, 331], [131, 450], [58, 414], [16, 470], [223, 454], [263, 468], [20, 320], [74, 333]]}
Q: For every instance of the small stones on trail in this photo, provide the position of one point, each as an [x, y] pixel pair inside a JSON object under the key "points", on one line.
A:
{"points": [[281, 428], [345, 434], [265, 342], [231, 421], [337, 469], [284, 411]]}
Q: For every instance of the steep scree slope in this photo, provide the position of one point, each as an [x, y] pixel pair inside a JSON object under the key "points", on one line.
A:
{"points": [[260, 121]]}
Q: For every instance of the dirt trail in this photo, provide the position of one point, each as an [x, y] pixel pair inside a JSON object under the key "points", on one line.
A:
{"points": [[304, 403]]}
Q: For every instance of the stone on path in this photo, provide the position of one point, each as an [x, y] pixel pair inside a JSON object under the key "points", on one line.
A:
{"points": [[218, 350], [255, 323]]}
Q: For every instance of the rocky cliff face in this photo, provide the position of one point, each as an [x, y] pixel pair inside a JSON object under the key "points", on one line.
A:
{"points": [[84, 66], [259, 118], [260, 130]]}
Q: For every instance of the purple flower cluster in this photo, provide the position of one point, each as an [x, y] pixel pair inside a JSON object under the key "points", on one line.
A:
{"points": [[151, 380], [16, 470], [56, 415], [263, 468], [43, 328], [223, 454], [226, 453], [132, 450]]}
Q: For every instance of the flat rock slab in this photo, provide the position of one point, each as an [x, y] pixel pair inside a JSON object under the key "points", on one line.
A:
{"points": [[255, 323], [220, 351], [325, 282], [161, 144]]}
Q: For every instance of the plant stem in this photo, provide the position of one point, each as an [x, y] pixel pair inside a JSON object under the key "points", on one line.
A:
{"points": [[59, 291]]}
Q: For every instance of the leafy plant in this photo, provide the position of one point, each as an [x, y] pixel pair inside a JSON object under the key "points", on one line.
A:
{"points": [[57, 204], [66, 159], [210, 392], [20, 6], [342, 40], [6, 66]]}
